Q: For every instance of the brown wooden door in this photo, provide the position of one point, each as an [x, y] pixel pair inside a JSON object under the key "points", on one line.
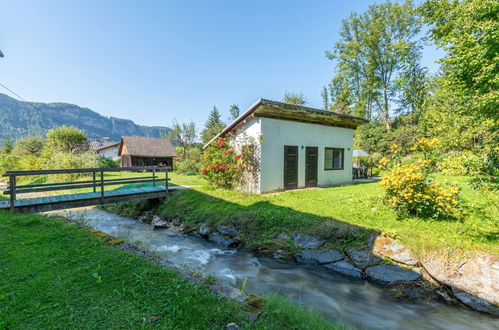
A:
{"points": [[311, 162], [290, 167]]}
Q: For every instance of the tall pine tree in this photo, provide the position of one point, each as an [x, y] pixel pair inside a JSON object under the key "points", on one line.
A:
{"points": [[234, 112], [325, 98], [213, 126]]}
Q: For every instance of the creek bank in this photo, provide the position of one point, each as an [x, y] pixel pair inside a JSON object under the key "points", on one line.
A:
{"points": [[473, 283], [470, 281], [252, 305], [360, 304]]}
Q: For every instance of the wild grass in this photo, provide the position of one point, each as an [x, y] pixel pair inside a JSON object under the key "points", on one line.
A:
{"points": [[56, 275], [298, 317]]}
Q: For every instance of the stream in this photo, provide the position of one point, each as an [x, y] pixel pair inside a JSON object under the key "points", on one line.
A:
{"points": [[350, 301]]}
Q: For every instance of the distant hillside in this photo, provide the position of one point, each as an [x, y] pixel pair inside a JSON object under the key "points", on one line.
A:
{"points": [[18, 119]]}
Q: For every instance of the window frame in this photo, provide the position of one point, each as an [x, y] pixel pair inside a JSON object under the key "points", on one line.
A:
{"points": [[342, 151]]}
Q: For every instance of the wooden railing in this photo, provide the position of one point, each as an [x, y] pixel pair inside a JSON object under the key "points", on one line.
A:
{"points": [[96, 183]]}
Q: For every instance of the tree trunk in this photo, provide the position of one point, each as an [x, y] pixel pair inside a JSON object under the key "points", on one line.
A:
{"points": [[386, 111]]}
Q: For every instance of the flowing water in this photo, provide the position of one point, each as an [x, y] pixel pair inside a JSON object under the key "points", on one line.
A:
{"points": [[353, 302]]}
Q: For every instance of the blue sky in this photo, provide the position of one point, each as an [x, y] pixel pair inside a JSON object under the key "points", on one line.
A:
{"points": [[153, 61]]}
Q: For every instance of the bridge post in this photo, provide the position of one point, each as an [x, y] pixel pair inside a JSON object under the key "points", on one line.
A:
{"points": [[94, 183], [154, 178], [12, 190], [166, 181], [102, 187]]}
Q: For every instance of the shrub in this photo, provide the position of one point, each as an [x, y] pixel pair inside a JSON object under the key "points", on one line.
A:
{"points": [[29, 146], [66, 139], [428, 149], [409, 186], [484, 171], [456, 163], [31, 163], [188, 166], [8, 163], [220, 164], [191, 162], [104, 162], [62, 160], [410, 189]]}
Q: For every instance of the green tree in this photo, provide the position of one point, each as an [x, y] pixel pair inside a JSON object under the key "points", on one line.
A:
{"points": [[325, 98], [213, 126], [234, 112], [66, 139], [370, 55], [414, 86], [182, 134], [29, 146], [468, 31], [295, 98], [6, 147], [341, 96], [457, 130]]}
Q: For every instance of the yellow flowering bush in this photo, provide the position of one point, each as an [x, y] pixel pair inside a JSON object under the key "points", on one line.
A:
{"points": [[409, 189], [427, 147]]}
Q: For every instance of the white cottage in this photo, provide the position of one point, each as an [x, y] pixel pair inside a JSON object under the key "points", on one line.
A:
{"points": [[106, 149], [294, 146]]}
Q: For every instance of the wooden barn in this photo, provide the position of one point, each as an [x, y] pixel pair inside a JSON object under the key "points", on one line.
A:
{"points": [[144, 151]]}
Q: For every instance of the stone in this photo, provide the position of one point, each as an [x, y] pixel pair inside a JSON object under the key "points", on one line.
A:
{"points": [[226, 230], [345, 268], [204, 230], [475, 302], [177, 222], [115, 241], [152, 319], [217, 238], [283, 236], [474, 281], [307, 241], [362, 258], [391, 274], [157, 223], [278, 254], [316, 257], [387, 246], [232, 326], [145, 216]]}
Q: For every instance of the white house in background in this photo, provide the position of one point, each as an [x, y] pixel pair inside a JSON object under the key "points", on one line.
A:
{"points": [[293, 146], [106, 149]]}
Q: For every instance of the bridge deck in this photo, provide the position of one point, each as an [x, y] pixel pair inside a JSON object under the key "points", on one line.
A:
{"points": [[49, 203]]}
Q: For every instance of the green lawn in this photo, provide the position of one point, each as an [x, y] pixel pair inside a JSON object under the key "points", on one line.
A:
{"points": [[176, 179], [56, 275], [344, 216]]}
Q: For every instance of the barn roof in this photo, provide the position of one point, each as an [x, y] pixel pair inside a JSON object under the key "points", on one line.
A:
{"points": [[146, 146], [101, 145], [280, 110]]}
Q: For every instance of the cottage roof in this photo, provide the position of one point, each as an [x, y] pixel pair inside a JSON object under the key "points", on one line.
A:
{"points": [[146, 146], [101, 145], [280, 110]]}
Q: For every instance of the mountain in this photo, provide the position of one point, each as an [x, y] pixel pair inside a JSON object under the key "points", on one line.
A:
{"points": [[19, 119]]}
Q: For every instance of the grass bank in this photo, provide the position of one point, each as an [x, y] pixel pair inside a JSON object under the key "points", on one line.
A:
{"points": [[344, 216], [56, 275]]}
